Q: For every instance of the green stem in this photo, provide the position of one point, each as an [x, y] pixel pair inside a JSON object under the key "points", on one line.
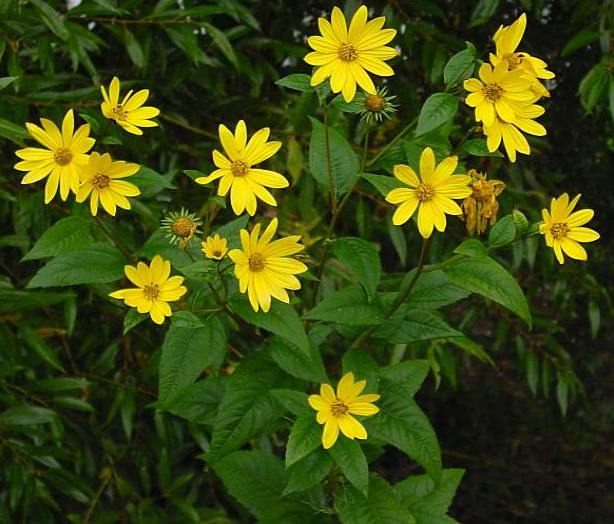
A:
{"points": [[118, 243], [392, 142], [329, 165]]}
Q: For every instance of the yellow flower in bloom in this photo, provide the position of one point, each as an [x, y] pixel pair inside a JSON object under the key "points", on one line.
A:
{"points": [[264, 268], [496, 93], [346, 55], [99, 181], [507, 39], [236, 172], [513, 139], [154, 288], [335, 411], [563, 228], [129, 114], [215, 247], [431, 194], [64, 153]]}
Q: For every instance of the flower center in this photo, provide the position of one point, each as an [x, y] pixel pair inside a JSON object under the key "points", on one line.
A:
{"points": [[182, 226], [559, 230], [424, 192], [151, 291], [119, 112], [375, 103], [239, 168], [257, 262], [62, 156], [348, 52], [100, 181], [217, 253], [339, 409], [513, 60], [493, 91]]}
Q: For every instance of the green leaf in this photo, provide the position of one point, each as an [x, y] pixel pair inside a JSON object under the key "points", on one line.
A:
{"points": [[409, 374], [133, 318], [146, 177], [381, 507], [26, 416], [135, 52], [363, 366], [294, 401], [503, 232], [6, 81], [295, 362], [384, 184], [40, 347], [201, 271], [98, 263], [416, 325], [472, 247], [309, 471], [65, 236], [347, 306], [362, 260], [473, 348], [298, 82], [483, 11], [15, 300], [434, 290], [199, 402], [222, 42], [255, 478], [51, 18], [247, 408], [281, 319], [460, 66], [531, 369], [437, 110], [186, 352], [13, 132], [478, 147], [586, 36], [489, 279], [350, 458], [562, 392], [305, 436], [344, 165]]}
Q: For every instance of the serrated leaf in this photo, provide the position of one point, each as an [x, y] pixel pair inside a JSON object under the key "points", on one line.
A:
{"points": [[305, 436], [384, 184], [459, 67], [362, 260], [415, 325], [347, 306], [350, 458], [65, 236], [298, 82], [472, 247], [489, 279], [295, 362], [199, 402], [437, 110], [294, 401], [98, 263], [146, 177], [409, 374], [309, 471], [434, 290], [503, 232]]}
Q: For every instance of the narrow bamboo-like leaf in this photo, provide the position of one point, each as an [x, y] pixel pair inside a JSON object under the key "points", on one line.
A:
{"points": [[51, 18], [222, 42]]}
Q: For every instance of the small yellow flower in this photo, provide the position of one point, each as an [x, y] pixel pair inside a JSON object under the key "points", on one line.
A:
{"points": [[495, 93], [431, 194], [99, 181], [154, 288], [346, 55], [513, 139], [236, 172], [64, 153], [129, 114], [563, 228], [335, 411], [481, 207], [264, 268], [215, 247]]}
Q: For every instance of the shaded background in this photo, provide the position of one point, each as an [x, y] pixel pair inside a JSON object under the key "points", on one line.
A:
{"points": [[525, 461]]}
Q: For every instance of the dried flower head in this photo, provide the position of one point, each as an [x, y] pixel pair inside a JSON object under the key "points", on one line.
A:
{"points": [[481, 207], [181, 227]]}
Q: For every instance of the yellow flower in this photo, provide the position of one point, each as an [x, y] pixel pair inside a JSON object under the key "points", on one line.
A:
{"points": [[154, 288], [563, 228], [215, 247], [99, 181], [507, 39], [496, 93], [63, 155], [432, 193], [335, 411], [129, 114], [264, 268], [346, 55], [236, 172], [513, 139]]}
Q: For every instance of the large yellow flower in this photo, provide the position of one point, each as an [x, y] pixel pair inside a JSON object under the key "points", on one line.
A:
{"points": [[99, 181], [513, 139], [563, 229], [346, 55], [335, 411], [496, 93], [129, 114], [507, 39], [64, 153], [154, 288], [264, 268], [245, 182], [431, 194]]}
